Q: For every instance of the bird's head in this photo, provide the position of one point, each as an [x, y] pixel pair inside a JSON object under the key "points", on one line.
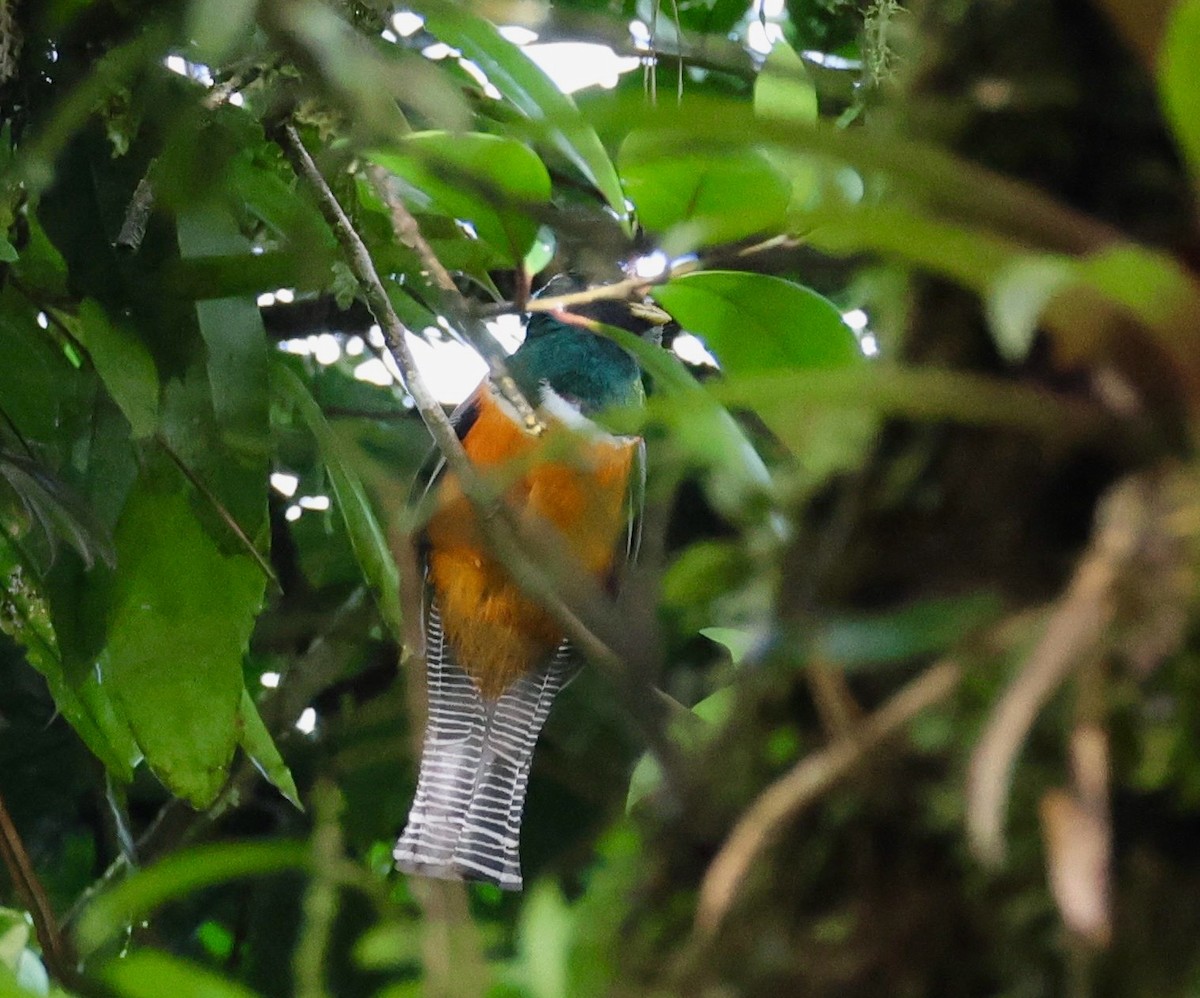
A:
{"points": [[585, 368]]}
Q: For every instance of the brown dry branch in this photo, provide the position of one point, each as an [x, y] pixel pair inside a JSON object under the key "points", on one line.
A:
{"points": [[803, 785], [1076, 634], [55, 948]]}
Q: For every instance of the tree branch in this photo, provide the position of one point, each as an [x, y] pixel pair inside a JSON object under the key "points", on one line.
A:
{"points": [[55, 948], [811, 777]]}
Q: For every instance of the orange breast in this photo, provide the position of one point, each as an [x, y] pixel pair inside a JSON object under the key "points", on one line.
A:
{"points": [[495, 631]]}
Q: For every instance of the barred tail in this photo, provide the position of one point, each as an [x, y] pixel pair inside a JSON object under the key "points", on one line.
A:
{"points": [[465, 821]]}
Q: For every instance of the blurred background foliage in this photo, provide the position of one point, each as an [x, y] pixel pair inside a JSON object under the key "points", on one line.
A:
{"points": [[921, 535]]}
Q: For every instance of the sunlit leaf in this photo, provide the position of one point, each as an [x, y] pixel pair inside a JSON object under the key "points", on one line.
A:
{"points": [[483, 179], [181, 874], [755, 322], [525, 84], [366, 536]]}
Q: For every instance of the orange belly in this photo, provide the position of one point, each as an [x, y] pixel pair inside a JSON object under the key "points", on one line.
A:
{"points": [[496, 633]]}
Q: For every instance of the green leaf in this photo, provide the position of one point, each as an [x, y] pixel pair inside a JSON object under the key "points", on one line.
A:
{"points": [[26, 619], [181, 874], [150, 974], [533, 93], [734, 640], [234, 338], [124, 365], [783, 90], [218, 26], [1179, 79], [545, 935], [181, 615], [737, 481], [1018, 297], [922, 628], [389, 945], [754, 322], [701, 196], [366, 536], [257, 743], [8, 252], [486, 180]]}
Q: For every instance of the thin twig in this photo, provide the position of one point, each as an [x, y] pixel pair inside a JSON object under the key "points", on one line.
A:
{"points": [[55, 949], [408, 231], [1075, 633], [222, 512], [805, 783]]}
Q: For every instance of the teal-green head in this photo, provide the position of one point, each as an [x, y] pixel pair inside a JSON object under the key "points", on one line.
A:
{"points": [[586, 369]]}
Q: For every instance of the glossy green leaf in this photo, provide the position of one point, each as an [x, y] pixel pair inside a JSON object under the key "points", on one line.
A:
{"points": [[366, 536], [148, 973], [124, 365], [178, 875], [257, 743], [483, 179], [1179, 79], [701, 196], [533, 93], [754, 322], [181, 615]]}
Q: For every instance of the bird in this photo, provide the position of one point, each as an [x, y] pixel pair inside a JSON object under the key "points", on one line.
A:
{"points": [[496, 659]]}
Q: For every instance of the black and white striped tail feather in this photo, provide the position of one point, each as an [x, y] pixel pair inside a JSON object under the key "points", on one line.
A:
{"points": [[465, 821]]}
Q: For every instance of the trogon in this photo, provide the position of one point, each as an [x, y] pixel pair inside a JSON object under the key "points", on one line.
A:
{"points": [[495, 659]]}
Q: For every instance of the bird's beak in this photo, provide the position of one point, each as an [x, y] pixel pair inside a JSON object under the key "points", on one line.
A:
{"points": [[647, 312]]}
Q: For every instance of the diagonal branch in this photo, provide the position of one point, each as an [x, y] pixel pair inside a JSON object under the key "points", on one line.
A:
{"points": [[25, 879], [803, 784], [408, 231]]}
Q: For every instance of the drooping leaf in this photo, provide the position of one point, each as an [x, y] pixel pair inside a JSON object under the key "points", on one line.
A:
{"points": [[148, 973], [180, 619], [366, 536], [533, 93], [696, 197], [234, 338], [180, 874], [26, 619], [483, 179], [124, 365], [1179, 79], [755, 322], [257, 743]]}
